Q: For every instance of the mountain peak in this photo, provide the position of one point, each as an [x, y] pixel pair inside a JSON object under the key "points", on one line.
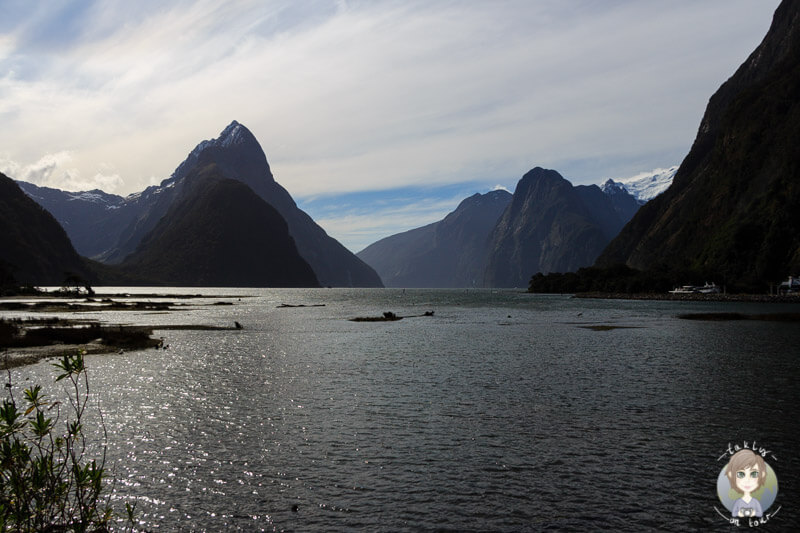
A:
{"points": [[644, 186], [234, 133], [610, 186], [239, 156], [235, 150], [539, 174], [479, 199], [538, 181]]}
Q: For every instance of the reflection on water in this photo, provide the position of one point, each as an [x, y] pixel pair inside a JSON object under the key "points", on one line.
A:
{"points": [[500, 412]]}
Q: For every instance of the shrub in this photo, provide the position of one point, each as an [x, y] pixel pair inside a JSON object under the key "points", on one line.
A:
{"points": [[48, 482]]}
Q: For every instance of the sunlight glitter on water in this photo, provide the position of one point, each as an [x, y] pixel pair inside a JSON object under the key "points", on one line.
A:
{"points": [[470, 419]]}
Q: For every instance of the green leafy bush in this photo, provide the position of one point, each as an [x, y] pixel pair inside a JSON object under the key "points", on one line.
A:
{"points": [[48, 481]]}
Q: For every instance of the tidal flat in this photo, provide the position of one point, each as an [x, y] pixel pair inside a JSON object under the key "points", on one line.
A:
{"points": [[29, 339]]}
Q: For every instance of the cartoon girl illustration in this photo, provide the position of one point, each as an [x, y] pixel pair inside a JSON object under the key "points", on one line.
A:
{"points": [[746, 472]]}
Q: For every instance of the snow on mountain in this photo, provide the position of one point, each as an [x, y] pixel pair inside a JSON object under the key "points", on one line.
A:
{"points": [[233, 134], [46, 196], [111, 201], [644, 186]]}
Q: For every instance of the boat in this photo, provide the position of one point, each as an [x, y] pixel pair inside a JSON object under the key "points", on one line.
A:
{"points": [[790, 286], [684, 289], [707, 288]]}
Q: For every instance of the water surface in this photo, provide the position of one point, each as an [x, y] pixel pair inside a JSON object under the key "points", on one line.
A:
{"points": [[504, 411]]}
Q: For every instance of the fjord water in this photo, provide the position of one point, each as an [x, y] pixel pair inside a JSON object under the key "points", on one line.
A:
{"points": [[504, 411]]}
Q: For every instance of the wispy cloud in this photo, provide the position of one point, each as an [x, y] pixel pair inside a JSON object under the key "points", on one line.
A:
{"points": [[359, 219], [57, 171], [353, 96], [362, 218]]}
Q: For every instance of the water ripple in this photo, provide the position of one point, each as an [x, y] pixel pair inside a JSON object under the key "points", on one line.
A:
{"points": [[465, 421]]}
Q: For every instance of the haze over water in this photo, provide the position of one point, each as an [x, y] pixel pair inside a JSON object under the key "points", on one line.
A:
{"points": [[504, 411]]}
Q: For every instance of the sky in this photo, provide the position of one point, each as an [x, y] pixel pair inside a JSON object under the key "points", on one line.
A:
{"points": [[376, 116]]}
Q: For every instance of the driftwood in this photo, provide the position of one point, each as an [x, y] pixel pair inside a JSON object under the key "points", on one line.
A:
{"points": [[388, 316]]}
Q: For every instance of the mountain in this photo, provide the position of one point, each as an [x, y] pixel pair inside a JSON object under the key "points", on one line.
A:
{"points": [[609, 210], [91, 218], [112, 229], [500, 240], [644, 187], [239, 156], [449, 253], [733, 210], [551, 226], [220, 233], [34, 248]]}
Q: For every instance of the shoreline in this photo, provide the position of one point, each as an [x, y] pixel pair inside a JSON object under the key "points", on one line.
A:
{"points": [[30, 355], [15, 356], [26, 341], [750, 298]]}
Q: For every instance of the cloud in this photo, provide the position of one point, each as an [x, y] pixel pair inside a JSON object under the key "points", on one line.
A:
{"points": [[365, 96], [348, 96], [7, 46], [57, 171], [358, 229], [359, 219], [42, 171]]}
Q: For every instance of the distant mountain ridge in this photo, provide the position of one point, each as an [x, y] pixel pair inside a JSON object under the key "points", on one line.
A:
{"points": [[89, 216], [444, 254], [551, 226], [34, 248], [112, 229], [733, 210], [501, 240], [644, 187]]}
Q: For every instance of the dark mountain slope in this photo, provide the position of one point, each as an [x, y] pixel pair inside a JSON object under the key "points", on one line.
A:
{"points": [[34, 248], [136, 218], [87, 217], [239, 156], [397, 258], [546, 228], [733, 209], [449, 253], [622, 201], [609, 211], [220, 233]]}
